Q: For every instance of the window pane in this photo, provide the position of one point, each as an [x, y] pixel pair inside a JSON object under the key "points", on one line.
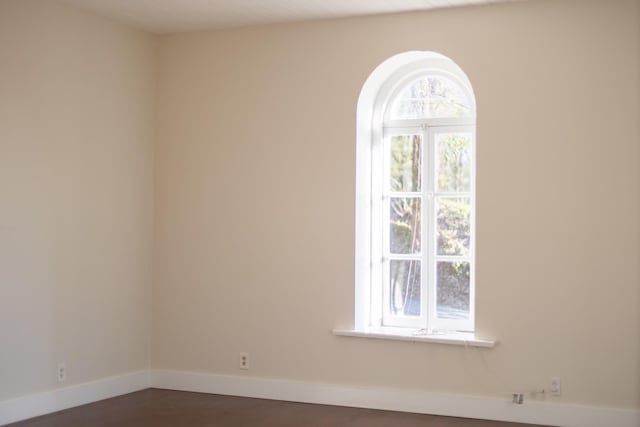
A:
{"points": [[453, 290], [404, 288], [453, 162], [405, 171], [453, 225], [431, 97], [405, 224]]}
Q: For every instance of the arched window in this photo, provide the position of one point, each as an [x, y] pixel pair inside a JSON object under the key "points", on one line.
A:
{"points": [[415, 196]]}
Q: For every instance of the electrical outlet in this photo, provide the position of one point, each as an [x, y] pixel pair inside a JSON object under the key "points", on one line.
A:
{"points": [[556, 387], [62, 372], [244, 360]]}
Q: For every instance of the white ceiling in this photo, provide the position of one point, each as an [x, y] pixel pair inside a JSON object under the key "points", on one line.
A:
{"points": [[169, 16]]}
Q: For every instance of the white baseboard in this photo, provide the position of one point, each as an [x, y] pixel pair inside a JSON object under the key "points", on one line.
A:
{"points": [[488, 408], [46, 402]]}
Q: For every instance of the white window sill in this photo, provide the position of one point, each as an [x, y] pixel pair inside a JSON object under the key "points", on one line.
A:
{"points": [[418, 335]]}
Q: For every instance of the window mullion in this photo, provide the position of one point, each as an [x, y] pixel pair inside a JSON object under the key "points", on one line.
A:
{"points": [[461, 194], [428, 289], [452, 258]]}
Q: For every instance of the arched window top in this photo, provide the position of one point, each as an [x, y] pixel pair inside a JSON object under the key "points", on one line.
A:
{"points": [[430, 96], [386, 94]]}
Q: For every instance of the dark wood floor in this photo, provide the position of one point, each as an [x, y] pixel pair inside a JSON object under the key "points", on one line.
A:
{"points": [[161, 408]]}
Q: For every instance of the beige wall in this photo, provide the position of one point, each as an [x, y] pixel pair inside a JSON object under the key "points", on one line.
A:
{"points": [[255, 200], [76, 183]]}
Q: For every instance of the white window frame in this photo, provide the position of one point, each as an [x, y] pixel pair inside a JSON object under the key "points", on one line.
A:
{"points": [[373, 128]]}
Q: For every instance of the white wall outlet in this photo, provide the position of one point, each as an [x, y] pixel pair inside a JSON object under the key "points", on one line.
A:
{"points": [[62, 372], [556, 387], [244, 360]]}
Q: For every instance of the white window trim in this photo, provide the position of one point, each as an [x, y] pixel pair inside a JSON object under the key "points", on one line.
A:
{"points": [[388, 78], [466, 339]]}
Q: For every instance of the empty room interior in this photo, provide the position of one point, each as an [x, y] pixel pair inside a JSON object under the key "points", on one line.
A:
{"points": [[425, 207]]}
